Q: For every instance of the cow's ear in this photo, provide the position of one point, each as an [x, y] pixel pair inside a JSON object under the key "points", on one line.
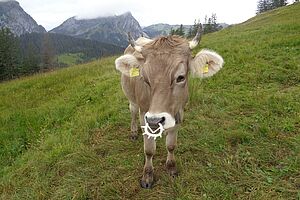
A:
{"points": [[127, 62], [206, 63]]}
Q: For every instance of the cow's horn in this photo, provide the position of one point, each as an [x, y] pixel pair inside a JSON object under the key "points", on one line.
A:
{"points": [[197, 38], [133, 43]]}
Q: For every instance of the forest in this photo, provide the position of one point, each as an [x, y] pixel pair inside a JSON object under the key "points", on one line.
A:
{"points": [[39, 52]]}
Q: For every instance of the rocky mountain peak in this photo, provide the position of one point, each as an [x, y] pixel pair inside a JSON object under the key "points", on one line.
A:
{"points": [[110, 29], [13, 16], [127, 14]]}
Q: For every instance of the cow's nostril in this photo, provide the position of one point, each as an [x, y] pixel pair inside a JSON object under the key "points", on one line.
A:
{"points": [[162, 121], [154, 121]]}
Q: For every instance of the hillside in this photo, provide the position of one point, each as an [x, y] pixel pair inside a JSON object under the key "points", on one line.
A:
{"points": [[64, 134], [63, 44]]}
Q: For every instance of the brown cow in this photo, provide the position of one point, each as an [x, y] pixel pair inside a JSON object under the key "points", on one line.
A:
{"points": [[155, 81]]}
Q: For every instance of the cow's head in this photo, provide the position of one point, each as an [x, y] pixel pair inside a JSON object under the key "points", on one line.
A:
{"points": [[164, 64]]}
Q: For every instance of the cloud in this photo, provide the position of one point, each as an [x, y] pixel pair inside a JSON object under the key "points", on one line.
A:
{"points": [[51, 13], [95, 9]]}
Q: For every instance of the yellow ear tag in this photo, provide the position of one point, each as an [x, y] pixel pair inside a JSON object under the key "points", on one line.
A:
{"points": [[205, 69], [134, 72]]}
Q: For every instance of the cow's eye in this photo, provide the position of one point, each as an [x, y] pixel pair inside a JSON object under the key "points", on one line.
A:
{"points": [[180, 79]]}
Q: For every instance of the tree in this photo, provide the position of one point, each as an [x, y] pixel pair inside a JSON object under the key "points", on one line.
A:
{"points": [[30, 60], [178, 31], [47, 53], [189, 34], [265, 5], [278, 3], [172, 32], [211, 24], [9, 55], [193, 29]]}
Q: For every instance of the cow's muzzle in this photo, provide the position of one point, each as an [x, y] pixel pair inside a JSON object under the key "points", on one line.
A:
{"points": [[164, 118], [153, 122]]}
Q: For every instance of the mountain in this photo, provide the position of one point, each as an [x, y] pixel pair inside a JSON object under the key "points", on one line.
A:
{"points": [[165, 29], [13, 16], [111, 29]]}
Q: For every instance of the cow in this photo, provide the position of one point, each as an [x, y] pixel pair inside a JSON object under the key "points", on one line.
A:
{"points": [[154, 78]]}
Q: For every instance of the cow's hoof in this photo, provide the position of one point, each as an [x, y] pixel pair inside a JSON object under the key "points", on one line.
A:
{"points": [[146, 185], [173, 173], [133, 137], [147, 179], [171, 168]]}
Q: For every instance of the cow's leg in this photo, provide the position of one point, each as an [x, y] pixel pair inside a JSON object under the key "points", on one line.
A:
{"points": [[148, 173], [134, 110], [149, 150], [171, 143]]}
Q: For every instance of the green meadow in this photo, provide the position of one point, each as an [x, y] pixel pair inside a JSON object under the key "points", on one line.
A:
{"points": [[65, 134], [69, 59]]}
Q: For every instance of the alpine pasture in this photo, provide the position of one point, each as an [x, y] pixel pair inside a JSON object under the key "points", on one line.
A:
{"points": [[65, 134]]}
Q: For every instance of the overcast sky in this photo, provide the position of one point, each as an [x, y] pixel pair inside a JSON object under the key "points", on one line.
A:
{"points": [[51, 13]]}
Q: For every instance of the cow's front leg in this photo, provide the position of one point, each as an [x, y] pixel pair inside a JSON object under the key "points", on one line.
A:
{"points": [[134, 110], [148, 173], [171, 143]]}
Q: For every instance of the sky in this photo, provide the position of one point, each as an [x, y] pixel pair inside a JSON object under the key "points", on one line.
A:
{"points": [[51, 13]]}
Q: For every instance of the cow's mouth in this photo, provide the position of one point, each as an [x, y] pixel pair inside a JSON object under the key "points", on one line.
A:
{"points": [[154, 133], [151, 128]]}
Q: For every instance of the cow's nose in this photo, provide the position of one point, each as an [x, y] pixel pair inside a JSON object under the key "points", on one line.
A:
{"points": [[154, 121]]}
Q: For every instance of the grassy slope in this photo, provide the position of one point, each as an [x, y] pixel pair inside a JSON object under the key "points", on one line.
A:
{"points": [[64, 135], [70, 59]]}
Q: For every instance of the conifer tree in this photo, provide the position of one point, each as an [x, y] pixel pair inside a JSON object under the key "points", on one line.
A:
{"points": [[195, 27], [172, 31], [9, 55], [190, 31], [30, 60], [178, 31], [211, 24], [47, 52], [265, 5], [278, 3]]}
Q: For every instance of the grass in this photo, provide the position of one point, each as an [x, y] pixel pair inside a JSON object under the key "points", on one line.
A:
{"points": [[69, 59], [64, 134]]}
